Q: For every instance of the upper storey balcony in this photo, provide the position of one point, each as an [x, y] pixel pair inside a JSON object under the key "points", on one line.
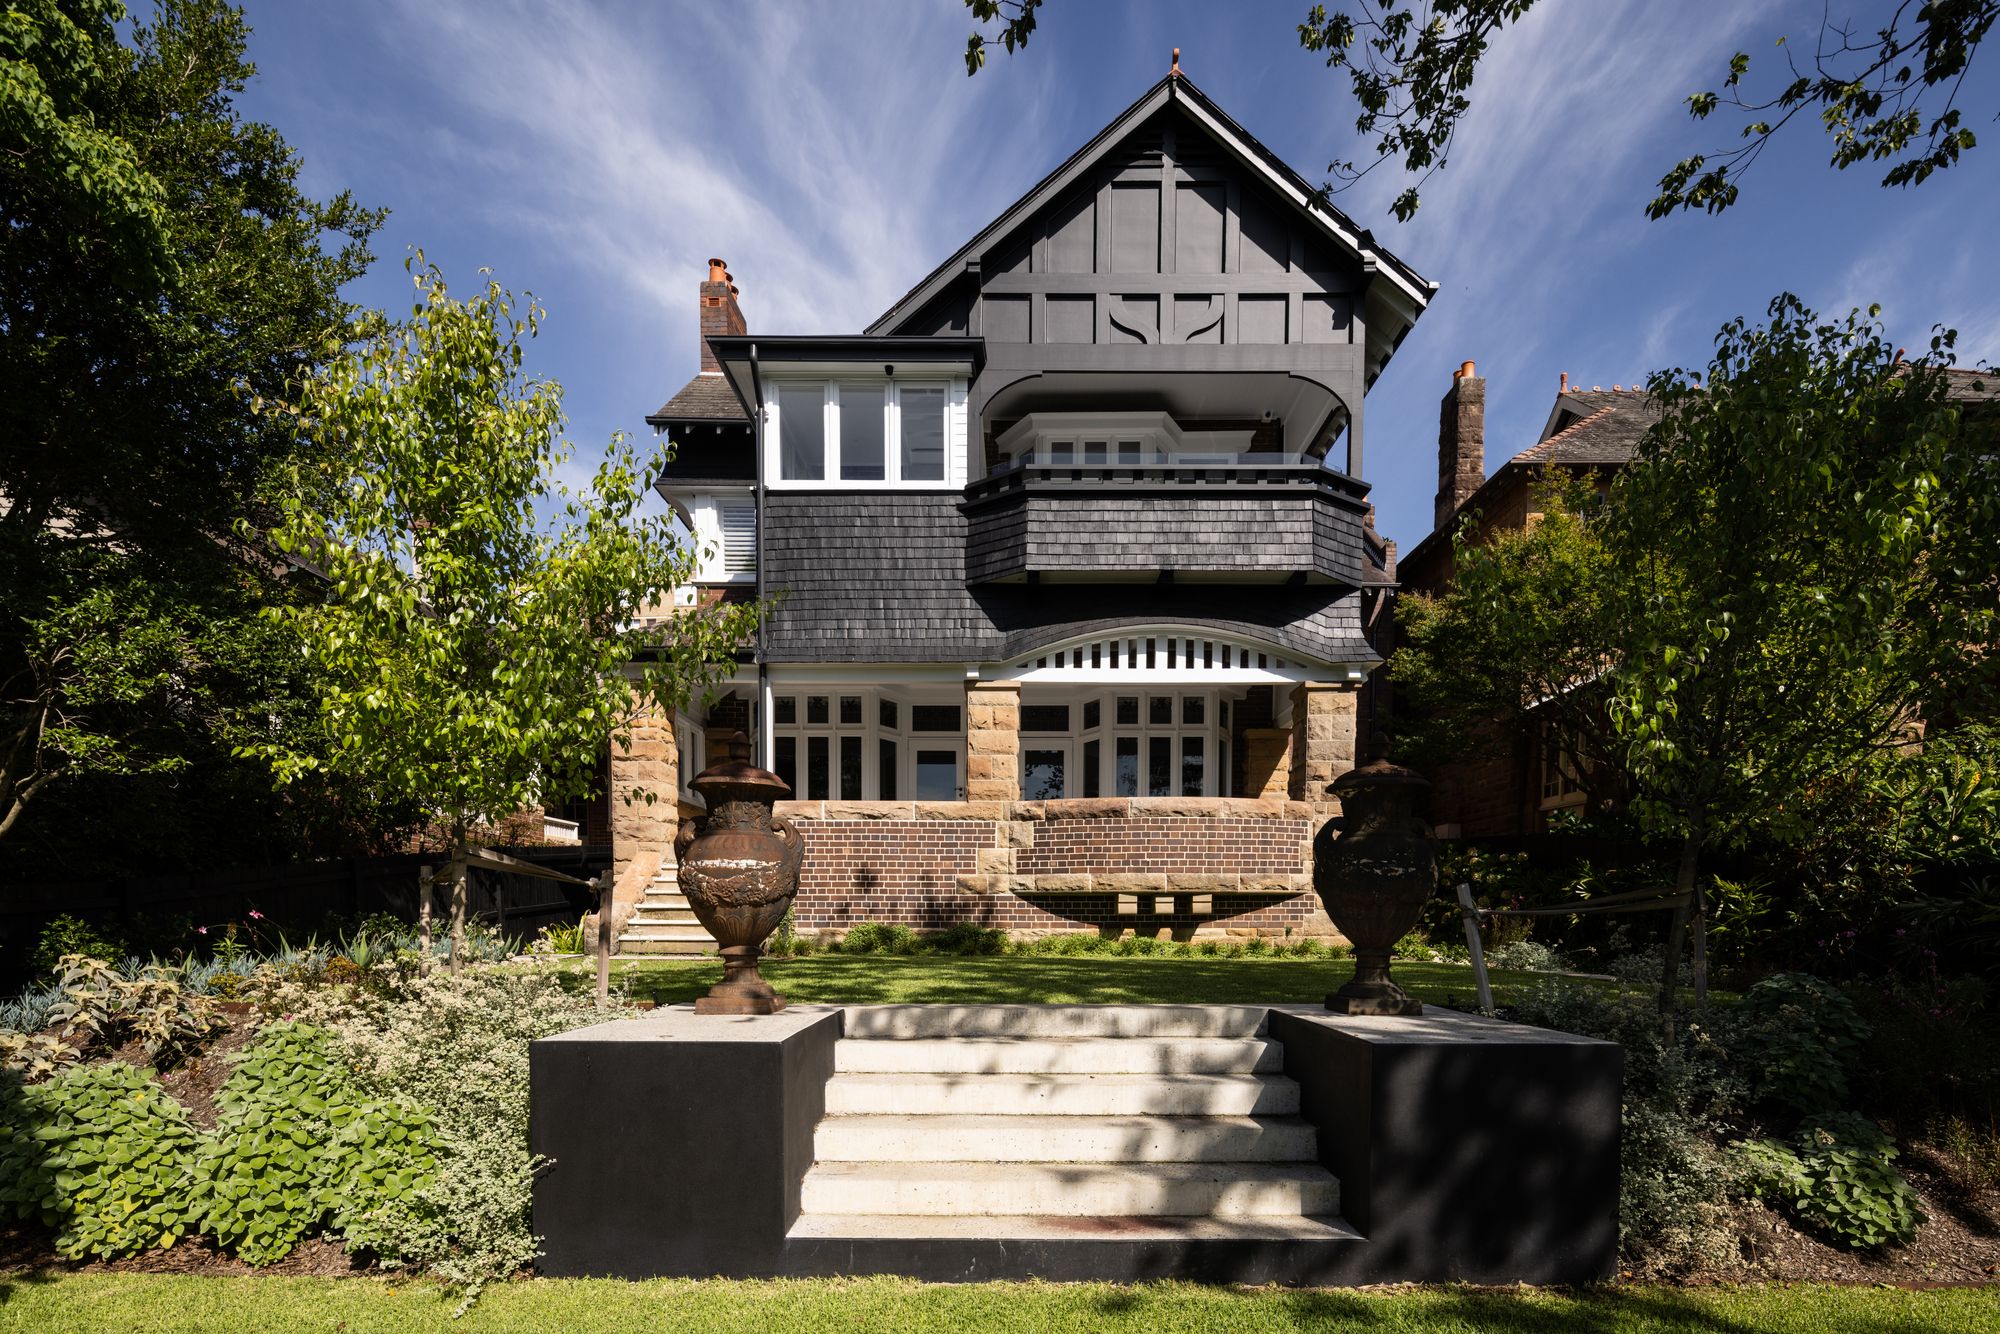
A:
{"points": [[1105, 497]]}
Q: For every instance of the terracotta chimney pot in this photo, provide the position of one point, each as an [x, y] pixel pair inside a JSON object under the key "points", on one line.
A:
{"points": [[718, 272]]}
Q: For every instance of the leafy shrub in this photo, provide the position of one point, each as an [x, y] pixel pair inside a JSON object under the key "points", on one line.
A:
{"points": [[456, 1048], [166, 1018], [1528, 956], [1792, 1038], [296, 1145], [879, 938], [1838, 1177], [567, 938], [966, 938], [36, 1056], [66, 935], [1679, 1092], [101, 1155]]}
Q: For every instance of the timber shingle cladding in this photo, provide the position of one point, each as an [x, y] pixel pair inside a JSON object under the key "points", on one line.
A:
{"points": [[1209, 530], [881, 577]]}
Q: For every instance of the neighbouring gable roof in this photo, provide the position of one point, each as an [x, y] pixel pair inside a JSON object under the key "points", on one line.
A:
{"points": [[1174, 90], [704, 398], [1597, 426]]}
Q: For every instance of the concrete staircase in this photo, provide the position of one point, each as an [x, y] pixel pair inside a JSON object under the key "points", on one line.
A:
{"points": [[664, 923], [1064, 1122]]}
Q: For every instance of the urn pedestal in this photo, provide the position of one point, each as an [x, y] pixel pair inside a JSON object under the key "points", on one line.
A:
{"points": [[740, 872], [1374, 869]]}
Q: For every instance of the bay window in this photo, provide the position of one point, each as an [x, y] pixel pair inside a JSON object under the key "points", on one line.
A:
{"points": [[834, 743], [1125, 743]]}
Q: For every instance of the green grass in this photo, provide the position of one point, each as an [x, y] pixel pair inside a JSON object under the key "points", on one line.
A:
{"points": [[66, 1302], [861, 979]]}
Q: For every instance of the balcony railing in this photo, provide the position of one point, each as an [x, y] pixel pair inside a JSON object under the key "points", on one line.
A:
{"points": [[1171, 476]]}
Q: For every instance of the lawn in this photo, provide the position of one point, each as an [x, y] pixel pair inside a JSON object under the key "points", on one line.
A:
{"points": [[862, 979], [47, 1302]]}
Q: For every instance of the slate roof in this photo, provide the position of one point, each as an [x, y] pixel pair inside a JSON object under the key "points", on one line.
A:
{"points": [[1972, 386], [705, 398], [880, 577], [1608, 433]]}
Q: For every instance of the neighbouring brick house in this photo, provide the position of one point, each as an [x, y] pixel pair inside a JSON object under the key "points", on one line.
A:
{"points": [[1073, 561], [1590, 433]]}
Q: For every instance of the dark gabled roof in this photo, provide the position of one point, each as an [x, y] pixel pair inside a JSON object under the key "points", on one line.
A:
{"points": [[705, 398], [1174, 89], [1587, 428], [1608, 431]]}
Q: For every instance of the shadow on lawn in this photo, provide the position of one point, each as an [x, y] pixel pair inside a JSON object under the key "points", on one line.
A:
{"points": [[1030, 979]]}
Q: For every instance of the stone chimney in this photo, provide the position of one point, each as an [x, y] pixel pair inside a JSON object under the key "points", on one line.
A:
{"points": [[719, 313], [1461, 443]]}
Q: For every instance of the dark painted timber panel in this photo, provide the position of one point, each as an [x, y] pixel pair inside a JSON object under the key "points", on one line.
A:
{"points": [[1490, 1156]]}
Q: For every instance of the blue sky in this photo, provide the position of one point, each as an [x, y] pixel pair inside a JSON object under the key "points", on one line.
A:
{"points": [[597, 154]]}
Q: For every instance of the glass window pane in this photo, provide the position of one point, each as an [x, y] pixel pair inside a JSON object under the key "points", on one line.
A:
{"points": [[1093, 777], [1091, 714], [1045, 717], [1042, 774], [1062, 451], [850, 768], [816, 766], [937, 775], [850, 710], [863, 443], [816, 710], [885, 776], [802, 432], [1160, 766], [887, 714], [1128, 766], [923, 434], [934, 717], [1160, 710], [785, 709], [786, 762], [1192, 766], [1128, 452], [1093, 452], [1128, 710], [1194, 710]]}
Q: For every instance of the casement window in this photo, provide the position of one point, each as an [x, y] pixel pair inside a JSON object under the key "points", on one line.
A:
{"points": [[1126, 743], [691, 751], [833, 744], [874, 433], [1561, 785]]}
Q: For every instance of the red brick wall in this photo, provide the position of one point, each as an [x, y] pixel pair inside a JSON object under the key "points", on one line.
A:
{"points": [[1022, 872]]}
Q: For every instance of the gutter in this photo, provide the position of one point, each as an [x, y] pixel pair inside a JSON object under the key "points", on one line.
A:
{"points": [[765, 738]]}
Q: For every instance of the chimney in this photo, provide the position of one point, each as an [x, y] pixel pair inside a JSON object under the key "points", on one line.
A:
{"points": [[719, 313], [1461, 443]]}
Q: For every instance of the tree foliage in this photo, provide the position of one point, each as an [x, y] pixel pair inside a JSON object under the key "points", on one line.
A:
{"points": [[484, 633], [1412, 65], [156, 258], [1520, 640]]}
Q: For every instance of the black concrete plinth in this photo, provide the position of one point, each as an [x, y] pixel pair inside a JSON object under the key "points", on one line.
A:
{"points": [[1467, 1149], [676, 1141]]}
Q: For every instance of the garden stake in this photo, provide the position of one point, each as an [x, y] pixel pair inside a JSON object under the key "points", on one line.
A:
{"points": [[604, 938]]}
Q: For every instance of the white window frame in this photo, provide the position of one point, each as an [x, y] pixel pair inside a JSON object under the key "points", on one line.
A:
{"points": [[690, 752], [702, 514], [954, 433], [1215, 779], [872, 734]]}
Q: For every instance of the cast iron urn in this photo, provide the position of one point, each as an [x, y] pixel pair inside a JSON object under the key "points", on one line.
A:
{"points": [[1374, 869], [740, 873]]}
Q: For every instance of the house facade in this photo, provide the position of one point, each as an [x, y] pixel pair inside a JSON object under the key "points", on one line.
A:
{"points": [[1070, 563]]}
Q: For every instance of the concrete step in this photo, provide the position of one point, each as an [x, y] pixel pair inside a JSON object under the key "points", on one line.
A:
{"points": [[917, 1094], [1070, 1189], [1054, 1021], [1041, 1227], [647, 916], [1052, 1056], [651, 948], [1064, 1139]]}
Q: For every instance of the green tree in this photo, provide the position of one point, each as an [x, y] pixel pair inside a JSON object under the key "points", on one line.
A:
{"points": [[1520, 639], [1890, 95], [158, 265], [1806, 547], [484, 634]]}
